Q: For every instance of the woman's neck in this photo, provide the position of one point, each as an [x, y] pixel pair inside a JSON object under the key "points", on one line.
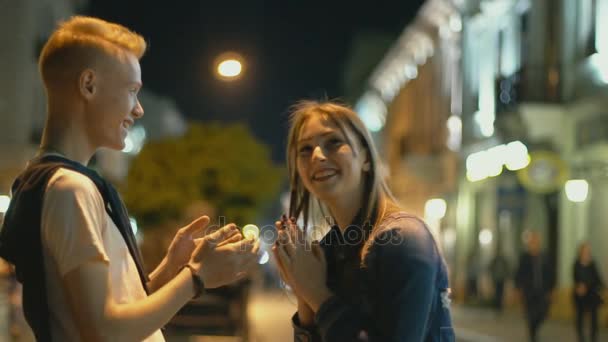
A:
{"points": [[345, 208]]}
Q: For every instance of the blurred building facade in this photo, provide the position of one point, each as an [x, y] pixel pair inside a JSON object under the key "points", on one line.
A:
{"points": [[487, 108], [23, 28]]}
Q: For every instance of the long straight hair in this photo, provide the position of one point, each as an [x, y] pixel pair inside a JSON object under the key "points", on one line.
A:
{"points": [[378, 200]]}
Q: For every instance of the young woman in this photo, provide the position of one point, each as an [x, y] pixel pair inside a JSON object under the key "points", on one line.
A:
{"points": [[587, 291], [377, 275]]}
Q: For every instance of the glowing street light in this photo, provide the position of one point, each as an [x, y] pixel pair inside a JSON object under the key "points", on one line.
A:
{"points": [[485, 237], [435, 208], [229, 66], [577, 190]]}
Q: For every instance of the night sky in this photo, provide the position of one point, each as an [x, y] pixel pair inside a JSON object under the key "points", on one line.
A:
{"points": [[294, 49]]}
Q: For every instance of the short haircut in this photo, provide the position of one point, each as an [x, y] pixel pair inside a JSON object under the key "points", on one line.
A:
{"points": [[79, 41]]}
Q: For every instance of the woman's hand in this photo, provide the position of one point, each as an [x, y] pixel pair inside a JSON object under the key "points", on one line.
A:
{"points": [[302, 265], [305, 314]]}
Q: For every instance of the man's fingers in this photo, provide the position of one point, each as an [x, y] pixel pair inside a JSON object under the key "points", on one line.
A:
{"points": [[197, 225], [200, 244], [256, 247], [234, 238], [250, 264], [244, 246], [223, 233]]}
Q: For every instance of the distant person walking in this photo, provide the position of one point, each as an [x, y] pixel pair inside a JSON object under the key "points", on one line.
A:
{"points": [[588, 285], [499, 270], [535, 281]]}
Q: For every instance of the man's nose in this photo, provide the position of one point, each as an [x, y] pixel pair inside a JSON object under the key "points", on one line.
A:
{"points": [[138, 110]]}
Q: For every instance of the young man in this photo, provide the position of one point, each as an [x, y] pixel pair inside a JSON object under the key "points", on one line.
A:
{"points": [[67, 231]]}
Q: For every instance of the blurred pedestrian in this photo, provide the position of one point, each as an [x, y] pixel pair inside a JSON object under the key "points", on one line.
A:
{"points": [[588, 285], [500, 272], [472, 277], [535, 281]]}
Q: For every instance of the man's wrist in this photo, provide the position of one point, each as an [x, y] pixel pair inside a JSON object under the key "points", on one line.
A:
{"points": [[197, 280]]}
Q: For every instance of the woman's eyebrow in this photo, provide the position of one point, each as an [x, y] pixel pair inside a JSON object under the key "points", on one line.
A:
{"points": [[309, 138]]}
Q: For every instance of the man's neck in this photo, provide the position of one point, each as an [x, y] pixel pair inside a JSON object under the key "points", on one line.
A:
{"points": [[68, 140]]}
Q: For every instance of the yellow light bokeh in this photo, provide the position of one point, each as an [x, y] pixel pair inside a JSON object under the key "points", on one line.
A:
{"points": [[229, 68], [251, 231]]}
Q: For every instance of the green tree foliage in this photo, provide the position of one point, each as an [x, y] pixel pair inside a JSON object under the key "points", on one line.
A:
{"points": [[222, 165]]}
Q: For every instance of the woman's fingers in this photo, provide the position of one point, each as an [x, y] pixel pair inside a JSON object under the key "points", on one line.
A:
{"points": [[284, 257], [318, 251]]}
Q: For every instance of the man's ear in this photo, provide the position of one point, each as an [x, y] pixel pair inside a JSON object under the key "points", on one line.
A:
{"points": [[87, 83]]}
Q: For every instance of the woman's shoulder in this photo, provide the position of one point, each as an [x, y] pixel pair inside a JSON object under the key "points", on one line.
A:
{"points": [[403, 224], [402, 231], [402, 241]]}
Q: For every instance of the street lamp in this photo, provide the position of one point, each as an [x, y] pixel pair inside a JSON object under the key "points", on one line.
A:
{"points": [[577, 190], [229, 66]]}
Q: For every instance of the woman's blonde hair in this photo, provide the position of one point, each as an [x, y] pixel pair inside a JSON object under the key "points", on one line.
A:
{"points": [[378, 200], [80, 40]]}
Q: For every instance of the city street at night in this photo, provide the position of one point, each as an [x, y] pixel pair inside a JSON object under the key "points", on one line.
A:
{"points": [[199, 171]]}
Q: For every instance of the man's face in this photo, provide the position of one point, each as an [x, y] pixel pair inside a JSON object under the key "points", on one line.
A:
{"points": [[114, 107]]}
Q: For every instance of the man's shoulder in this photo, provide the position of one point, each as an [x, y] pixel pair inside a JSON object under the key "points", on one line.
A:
{"points": [[68, 180], [69, 185]]}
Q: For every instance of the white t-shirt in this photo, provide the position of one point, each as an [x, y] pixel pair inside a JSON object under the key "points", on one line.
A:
{"points": [[77, 229]]}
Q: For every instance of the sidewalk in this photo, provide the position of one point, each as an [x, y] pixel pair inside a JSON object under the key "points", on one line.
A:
{"points": [[473, 324]]}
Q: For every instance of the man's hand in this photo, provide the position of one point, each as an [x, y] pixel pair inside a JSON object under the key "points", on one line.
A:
{"points": [[224, 256], [183, 244]]}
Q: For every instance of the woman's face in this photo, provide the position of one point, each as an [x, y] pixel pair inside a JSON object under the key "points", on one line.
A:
{"points": [[328, 166]]}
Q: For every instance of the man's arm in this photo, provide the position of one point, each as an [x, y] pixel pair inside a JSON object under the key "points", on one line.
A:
{"points": [[74, 220], [100, 318], [183, 245], [217, 260], [161, 275]]}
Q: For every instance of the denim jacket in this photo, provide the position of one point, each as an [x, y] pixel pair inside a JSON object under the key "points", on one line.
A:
{"points": [[399, 293]]}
